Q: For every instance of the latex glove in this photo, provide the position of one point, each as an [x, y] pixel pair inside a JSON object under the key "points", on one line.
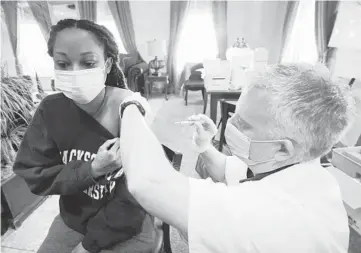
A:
{"points": [[80, 249], [149, 117], [205, 131]]}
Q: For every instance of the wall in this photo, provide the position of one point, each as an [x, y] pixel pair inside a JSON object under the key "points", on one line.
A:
{"points": [[259, 22], [345, 61], [346, 64], [151, 21]]}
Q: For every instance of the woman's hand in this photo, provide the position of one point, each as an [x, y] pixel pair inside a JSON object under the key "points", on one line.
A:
{"points": [[79, 249], [107, 159], [205, 131]]}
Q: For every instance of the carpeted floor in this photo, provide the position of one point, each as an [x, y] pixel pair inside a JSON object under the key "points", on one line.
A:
{"points": [[178, 138], [175, 136]]}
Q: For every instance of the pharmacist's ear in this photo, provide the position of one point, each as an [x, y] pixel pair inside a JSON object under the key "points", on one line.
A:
{"points": [[284, 150]]}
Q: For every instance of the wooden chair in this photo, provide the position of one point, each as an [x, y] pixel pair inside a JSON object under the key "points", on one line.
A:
{"points": [[227, 109], [162, 243], [195, 82]]}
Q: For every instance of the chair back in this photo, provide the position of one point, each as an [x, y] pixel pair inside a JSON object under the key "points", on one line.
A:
{"points": [[174, 157], [195, 73], [128, 60], [227, 108]]}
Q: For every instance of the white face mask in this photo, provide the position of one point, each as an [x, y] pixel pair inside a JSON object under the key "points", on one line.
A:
{"points": [[246, 149], [81, 86]]}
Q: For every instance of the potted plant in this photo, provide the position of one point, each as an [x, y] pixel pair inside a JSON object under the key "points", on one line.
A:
{"points": [[17, 107]]}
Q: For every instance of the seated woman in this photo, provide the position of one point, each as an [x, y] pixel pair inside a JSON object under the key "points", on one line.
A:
{"points": [[71, 147]]}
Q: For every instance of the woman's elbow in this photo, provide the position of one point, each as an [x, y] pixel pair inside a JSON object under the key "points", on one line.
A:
{"points": [[137, 187], [142, 188], [38, 189]]}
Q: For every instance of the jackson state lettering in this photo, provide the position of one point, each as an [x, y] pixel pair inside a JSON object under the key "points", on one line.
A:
{"points": [[96, 191]]}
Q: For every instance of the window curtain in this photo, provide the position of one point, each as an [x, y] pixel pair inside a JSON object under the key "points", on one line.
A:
{"points": [[10, 9], [123, 19], [291, 13], [178, 13], [219, 10], [325, 16], [88, 9], [41, 13]]}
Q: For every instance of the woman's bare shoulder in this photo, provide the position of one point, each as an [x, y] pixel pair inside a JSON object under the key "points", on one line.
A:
{"points": [[117, 95]]}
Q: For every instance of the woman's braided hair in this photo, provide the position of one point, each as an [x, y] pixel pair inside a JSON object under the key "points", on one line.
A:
{"points": [[115, 77]]}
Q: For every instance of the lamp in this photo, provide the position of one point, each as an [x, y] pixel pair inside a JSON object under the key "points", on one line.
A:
{"points": [[240, 55], [236, 49], [156, 49]]}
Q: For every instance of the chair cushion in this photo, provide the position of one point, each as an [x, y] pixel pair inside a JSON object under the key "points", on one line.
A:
{"points": [[194, 84]]}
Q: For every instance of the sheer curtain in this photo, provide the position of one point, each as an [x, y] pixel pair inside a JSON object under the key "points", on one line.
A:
{"points": [[198, 40], [219, 10], [301, 46], [123, 20], [291, 14], [10, 11], [88, 9], [178, 15], [41, 13], [325, 17], [106, 19], [32, 45]]}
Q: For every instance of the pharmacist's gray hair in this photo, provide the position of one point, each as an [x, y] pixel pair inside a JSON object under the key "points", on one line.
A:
{"points": [[308, 106]]}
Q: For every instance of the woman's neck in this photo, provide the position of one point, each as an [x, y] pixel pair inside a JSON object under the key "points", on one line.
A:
{"points": [[93, 107]]}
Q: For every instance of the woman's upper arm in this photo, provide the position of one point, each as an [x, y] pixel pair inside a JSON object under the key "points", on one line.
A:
{"points": [[117, 97]]}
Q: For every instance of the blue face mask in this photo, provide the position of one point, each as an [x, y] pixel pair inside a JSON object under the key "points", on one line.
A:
{"points": [[248, 150]]}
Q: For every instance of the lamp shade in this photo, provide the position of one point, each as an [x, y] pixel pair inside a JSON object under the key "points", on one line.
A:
{"points": [[157, 48]]}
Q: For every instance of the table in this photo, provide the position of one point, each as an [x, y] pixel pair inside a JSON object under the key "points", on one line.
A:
{"points": [[216, 95], [150, 79]]}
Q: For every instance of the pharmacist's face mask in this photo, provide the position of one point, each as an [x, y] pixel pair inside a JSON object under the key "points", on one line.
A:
{"points": [[252, 152], [82, 86]]}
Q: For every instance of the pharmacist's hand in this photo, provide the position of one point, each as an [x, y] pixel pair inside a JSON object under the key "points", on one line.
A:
{"points": [[204, 132], [79, 249], [149, 117], [107, 159]]}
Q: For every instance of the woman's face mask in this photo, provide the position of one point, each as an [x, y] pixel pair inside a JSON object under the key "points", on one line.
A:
{"points": [[254, 153], [82, 86]]}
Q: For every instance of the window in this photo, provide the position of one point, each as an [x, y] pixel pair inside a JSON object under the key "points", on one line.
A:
{"points": [[198, 38], [105, 18], [301, 46], [33, 48], [62, 10], [32, 44]]}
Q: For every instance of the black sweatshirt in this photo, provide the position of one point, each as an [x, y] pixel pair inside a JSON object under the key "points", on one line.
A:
{"points": [[54, 158]]}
